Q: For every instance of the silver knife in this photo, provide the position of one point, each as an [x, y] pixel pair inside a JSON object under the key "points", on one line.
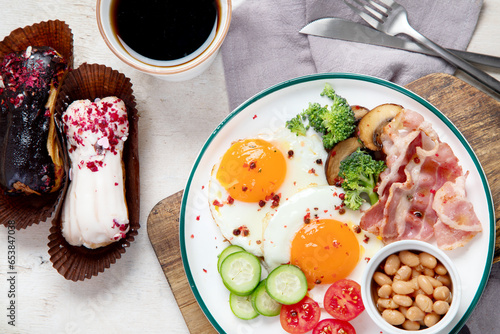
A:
{"points": [[337, 28]]}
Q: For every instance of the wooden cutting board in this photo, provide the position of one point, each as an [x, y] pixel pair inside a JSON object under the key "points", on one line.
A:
{"points": [[476, 115]]}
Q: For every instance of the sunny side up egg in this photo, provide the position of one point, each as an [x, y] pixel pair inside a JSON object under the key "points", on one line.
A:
{"points": [[313, 231], [256, 176]]}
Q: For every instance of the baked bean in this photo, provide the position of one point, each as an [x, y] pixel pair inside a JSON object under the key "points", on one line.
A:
{"points": [[445, 279], [409, 258], [385, 291], [392, 265], [419, 268], [414, 273], [402, 287], [415, 314], [435, 282], [424, 303], [440, 307], [428, 272], [403, 300], [403, 273], [441, 293], [440, 269], [425, 284], [414, 282], [403, 310], [394, 317], [387, 303], [382, 278], [431, 319], [427, 260], [411, 325]]}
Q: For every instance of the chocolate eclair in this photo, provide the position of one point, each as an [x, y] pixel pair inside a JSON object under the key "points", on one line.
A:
{"points": [[30, 160]]}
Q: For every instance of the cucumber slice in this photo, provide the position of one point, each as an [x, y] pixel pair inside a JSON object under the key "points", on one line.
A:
{"points": [[242, 307], [228, 250], [263, 303], [286, 284], [240, 273]]}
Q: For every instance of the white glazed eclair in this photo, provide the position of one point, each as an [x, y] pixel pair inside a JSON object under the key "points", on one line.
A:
{"points": [[95, 212]]}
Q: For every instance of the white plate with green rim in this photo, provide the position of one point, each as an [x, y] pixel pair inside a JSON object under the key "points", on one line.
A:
{"points": [[201, 241]]}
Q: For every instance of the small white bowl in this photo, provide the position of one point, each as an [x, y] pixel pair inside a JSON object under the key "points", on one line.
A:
{"points": [[419, 246], [175, 70]]}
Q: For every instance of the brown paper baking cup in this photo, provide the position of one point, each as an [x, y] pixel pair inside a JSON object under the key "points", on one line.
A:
{"points": [[55, 34], [91, 81], [23, 211]]}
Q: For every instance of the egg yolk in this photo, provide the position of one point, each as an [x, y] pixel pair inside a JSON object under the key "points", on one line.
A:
{"points": [[251, 170], [326, 250]]}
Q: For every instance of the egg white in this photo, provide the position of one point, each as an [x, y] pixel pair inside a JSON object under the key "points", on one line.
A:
{"points": [[321, 202], [303, 170]]}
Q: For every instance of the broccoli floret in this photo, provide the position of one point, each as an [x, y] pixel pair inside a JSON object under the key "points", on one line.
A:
{"points": [[315, 114], [334, 123], [297, 125], [360, 173]]}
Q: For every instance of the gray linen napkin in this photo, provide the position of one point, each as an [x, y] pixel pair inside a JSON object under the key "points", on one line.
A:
{"points": [[264, 47]]}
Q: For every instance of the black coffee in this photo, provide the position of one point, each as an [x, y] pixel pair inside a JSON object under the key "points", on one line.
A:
{"points": [[163, 29]]}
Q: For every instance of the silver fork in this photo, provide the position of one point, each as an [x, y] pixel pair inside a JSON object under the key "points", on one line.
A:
{"points": [[392, 18]]}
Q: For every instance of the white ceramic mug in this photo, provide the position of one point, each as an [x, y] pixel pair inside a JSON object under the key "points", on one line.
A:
{"points": [[181, 69]]}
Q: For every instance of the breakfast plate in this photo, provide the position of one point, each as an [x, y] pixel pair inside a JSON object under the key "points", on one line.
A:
{"points": [[201, 241]]}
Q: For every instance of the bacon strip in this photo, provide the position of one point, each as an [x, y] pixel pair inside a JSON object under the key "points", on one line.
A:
{"points": [[419, 166]]}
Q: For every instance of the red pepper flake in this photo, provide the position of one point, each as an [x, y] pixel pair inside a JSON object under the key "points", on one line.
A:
{"points": [[366, 239], [192, 236], [217, 203], [202, 187], [116, 183], [244, 188], [357, 229], [258, 242], [341, 211], [230, 200], [198, 218], [262, 203], [333, 153], [204, 270], [242, 230], [312, 171], [290, 154], [254, 117], [342, 196], [319, 161], [276, 201], [416, 160], [252, 165], [433, 191], [336, 244], [307, 218]]}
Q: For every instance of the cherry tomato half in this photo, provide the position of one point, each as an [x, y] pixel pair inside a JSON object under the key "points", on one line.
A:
{"points": [[333, 326], [343, 300], [300, 317]]}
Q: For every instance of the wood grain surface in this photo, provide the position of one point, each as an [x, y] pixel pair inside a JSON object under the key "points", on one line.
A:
{"points": [[476, 115]]}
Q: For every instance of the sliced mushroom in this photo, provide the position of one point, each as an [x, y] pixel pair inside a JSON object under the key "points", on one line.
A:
{"points": [[336, 155], [359, 112], [371, 125]]}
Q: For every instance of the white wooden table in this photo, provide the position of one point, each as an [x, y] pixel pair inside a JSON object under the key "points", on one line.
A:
{"points": [[176, 119]]}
